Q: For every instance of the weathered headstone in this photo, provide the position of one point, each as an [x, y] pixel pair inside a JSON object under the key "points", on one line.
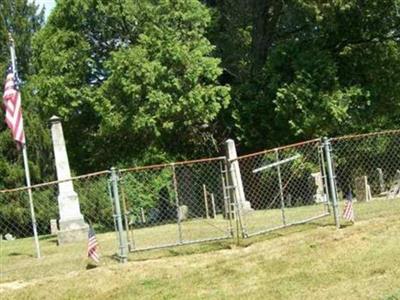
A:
{"points": [[142, 215], [289, 200], [183, 213], [362, 189], [9, 237], [319, 196], [72, 225], [381, 181], [394, 191], [53, 227]]}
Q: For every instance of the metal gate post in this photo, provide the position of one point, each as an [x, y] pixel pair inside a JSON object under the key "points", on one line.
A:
{"points": [[123, 249], [280, 188], [331, 180], [178, 209], [321, 159]]}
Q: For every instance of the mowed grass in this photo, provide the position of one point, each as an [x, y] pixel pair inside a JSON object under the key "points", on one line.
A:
{"points": [[18, 262], [311, 261]]}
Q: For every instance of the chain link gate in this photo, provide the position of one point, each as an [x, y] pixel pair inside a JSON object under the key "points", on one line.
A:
{"points": [[367, 168], [175, 204], [284, 186]]}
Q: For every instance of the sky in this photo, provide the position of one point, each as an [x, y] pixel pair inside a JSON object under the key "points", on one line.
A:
{"points": [[48, 4]]}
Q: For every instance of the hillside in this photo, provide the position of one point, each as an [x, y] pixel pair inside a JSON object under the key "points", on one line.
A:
{"points": [[312, 261]]}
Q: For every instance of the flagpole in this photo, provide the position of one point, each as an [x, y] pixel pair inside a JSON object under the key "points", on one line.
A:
{"points": [[25, 157]]}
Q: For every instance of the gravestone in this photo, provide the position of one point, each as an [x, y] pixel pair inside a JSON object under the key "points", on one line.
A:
{"points": [[381, 181], [394, 191], [72, 225], [362, 189], [183, 212], [53, 227], [319, 196], [9, 237]]}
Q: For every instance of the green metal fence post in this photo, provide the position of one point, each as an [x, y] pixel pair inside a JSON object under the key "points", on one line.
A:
{"points": [[331, 180], [123, 249]]}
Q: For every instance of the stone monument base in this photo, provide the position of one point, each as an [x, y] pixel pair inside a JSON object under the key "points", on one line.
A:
{"points": [[246, 206], [72, 231]]}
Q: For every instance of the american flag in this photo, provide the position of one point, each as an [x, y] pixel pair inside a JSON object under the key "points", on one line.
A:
{"points": [[12, 107], [92, 246], [348, 211]]}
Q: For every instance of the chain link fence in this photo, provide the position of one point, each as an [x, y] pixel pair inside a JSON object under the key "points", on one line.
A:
{"points": [[17, 251], [367, 169], [284, 186], [181, 203]]}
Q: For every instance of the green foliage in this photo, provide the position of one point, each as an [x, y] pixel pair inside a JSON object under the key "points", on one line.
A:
{"points": [[139, 82], [23, 20], [144, 190], [131, 76], [95, 202], [331, 68]]}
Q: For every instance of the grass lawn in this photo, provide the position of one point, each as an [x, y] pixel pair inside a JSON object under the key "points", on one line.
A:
{"points": [[311, 261]]}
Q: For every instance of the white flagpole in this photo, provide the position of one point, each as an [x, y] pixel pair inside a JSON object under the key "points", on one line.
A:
{"points": [[25, 156]]}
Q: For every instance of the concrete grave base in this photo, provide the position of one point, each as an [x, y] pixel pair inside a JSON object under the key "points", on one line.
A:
{"points": [[72, 231]]}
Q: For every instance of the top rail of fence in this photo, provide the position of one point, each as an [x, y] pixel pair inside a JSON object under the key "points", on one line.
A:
{"points": [[180, 163], [365, 135], [45, 184], [299, 144], [204, 160]]}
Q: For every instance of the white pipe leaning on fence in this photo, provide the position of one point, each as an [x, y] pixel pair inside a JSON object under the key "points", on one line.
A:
{"points": [[277, 163]]}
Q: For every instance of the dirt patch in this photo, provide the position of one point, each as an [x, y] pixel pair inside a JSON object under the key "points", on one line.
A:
{"points": [[13, 285]]}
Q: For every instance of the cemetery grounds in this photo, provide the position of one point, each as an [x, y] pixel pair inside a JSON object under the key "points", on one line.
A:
{"points": [[309, 261], [217, 257]]}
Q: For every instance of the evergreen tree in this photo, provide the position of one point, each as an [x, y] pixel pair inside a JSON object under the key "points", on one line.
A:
{"points": [[22, 19], [132, 80]]}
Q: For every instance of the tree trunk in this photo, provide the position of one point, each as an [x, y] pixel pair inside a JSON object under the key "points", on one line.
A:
{"points": [[266, 15]]}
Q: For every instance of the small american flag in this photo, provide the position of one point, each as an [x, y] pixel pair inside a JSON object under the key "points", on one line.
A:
{"points": [[92, 246], [348, 212], [12, 106]]}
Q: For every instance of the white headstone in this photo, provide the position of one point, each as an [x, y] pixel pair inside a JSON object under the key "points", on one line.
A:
{"points": [[72, 225], [9, 237], [53, 226], [319, 194]]}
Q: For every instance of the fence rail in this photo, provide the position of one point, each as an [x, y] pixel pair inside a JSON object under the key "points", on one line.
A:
{"points": [[166, 205]]}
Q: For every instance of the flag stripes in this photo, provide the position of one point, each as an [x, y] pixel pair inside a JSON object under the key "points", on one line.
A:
{"points": [[13, 107], [348, 212], [92, 246]]}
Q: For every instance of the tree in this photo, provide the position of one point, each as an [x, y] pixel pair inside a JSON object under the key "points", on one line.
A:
{"points": [[311, 68], [23, 19], [135, 79]]}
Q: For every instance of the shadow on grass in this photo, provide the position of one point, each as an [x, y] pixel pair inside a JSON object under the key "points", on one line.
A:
{"points": [[91, 266], [50, 238], [15, 254], [343, 226], [223, 245]]}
